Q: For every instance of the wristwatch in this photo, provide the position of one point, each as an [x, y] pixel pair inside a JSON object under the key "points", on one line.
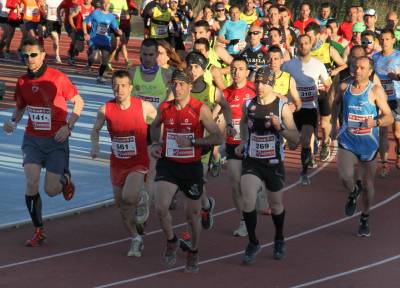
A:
{"points": [[193, 141], [70, 126]]}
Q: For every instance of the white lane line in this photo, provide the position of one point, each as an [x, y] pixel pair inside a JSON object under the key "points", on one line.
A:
{"points": [[211, 260], [338, 275], [147, 234]]}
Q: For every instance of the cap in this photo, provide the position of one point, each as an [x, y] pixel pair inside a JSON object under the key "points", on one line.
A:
{"points": [[358, 27], [370, 12], [197, 58], [182, 75], [265, 75], [219, 6]]}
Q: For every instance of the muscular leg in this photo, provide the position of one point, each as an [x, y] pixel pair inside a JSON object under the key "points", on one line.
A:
{"points": [[32, 196], [326, 128], [234, 173], [305, 140], [368, 170], [164, 193], [52, 184], [345, 166], [56, 46], [192, 211]]}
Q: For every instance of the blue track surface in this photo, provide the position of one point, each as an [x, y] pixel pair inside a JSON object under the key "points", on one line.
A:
{"points": [[91, 177]]}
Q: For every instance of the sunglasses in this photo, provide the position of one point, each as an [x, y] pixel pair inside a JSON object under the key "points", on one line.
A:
{"points": [[253, 33], [32, 55], [366, 42], [220, 10]]}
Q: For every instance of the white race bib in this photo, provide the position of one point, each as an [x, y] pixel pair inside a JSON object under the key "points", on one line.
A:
{"points": [[388, 86], [153, 100], [40, 117], [236, 126], [172, 149], [308, 94], [102, 29], [124, 147], [262, 147], [356, 124], [239, 46], [161, 30]]}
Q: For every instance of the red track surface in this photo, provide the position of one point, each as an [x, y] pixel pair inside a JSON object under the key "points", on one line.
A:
{"points": [[89, 249]]}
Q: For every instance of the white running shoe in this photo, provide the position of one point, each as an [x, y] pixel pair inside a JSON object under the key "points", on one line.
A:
{"points": [[241, 231], [136, 248]]}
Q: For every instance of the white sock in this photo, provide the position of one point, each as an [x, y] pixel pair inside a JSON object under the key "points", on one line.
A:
{"points": [[138, 237]]}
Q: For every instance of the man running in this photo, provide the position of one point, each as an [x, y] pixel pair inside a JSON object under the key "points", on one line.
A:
{"points": [[179, 167], [43, 92], [358, 136], [129, 162], [266, 119]]}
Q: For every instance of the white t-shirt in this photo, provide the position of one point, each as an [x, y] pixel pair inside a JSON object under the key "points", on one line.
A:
{"points": [[307, 76], [51, 6], [3, 9]]}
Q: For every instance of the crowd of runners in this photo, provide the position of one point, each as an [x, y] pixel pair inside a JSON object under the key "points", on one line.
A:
{"points": [[237, 82]]}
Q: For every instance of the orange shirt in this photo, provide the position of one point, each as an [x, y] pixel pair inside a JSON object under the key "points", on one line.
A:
{"points": [[31, 10]]}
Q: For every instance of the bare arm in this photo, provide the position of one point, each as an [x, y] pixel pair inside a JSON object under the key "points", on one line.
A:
{"points": [[336, 106], [225, 108], [215, 136], [290, 131], [294, 94], [149, 112], [340, 63], [76, 110], [223, 54], [217, 77], [385, 118], [95, 135]]}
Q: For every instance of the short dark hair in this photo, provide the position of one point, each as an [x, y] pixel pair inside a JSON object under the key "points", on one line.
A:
{"points": [[202, 23], [275, 49], [204, 42], [240, 58], [273, 6], [368, 33], [330, 21], [149, 42], [30, 41], [312, 27], [275, 29], [303, 36], [326, 5], [233, 7], [387, 30], [120, 74], [306, 3]]}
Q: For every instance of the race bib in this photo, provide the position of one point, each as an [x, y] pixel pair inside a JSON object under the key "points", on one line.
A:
{"points": [[51, 12], [32, 11], [172, 149], [153, 100], [307, 94], [236, 126], [161, 30], [356, 124], [102, 29], [262, 147], [124, 147], [40, 117], [388, 86], [239, 46]]}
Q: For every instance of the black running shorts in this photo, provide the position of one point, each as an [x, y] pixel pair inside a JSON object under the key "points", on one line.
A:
{"points": [[306, 117], [323, 104], [272, 175]]}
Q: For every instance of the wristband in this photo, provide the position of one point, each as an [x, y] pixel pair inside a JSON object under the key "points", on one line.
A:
{"points": [[193, 141], [70, 126]]}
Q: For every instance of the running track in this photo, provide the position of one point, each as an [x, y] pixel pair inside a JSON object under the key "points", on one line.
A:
{"points": [[88, 249]]}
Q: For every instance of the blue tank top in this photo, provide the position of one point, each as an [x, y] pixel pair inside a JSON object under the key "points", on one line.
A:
{"points": [[385, 65], [353, 135]]}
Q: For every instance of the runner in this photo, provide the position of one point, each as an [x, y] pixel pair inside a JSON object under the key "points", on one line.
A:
{"points": [[102, 23], [179, 166], [304, 17], [249, 14], [129, 162], [345, 28], [236, 95], [325, 14], [358, 136], [265, 121], [156, 19], [53, 26], [387, 66], [368, 41], [307, 71], [43, 92]]}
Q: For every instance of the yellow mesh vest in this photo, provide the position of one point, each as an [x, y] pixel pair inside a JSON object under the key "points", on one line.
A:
{"points": [[282, 84], [154, 91], [159, 23], [323, 54]]}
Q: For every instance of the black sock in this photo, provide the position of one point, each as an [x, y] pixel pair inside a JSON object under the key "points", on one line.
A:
{"points": [[364, 217], [102, 69], [34, 205], [250, 219], [279, 221], [305, 155], [173, 240]]}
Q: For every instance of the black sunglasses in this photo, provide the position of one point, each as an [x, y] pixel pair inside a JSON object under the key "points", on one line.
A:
{"points": [[220, 10], [32, 55], [253, 33], [366, 42]]}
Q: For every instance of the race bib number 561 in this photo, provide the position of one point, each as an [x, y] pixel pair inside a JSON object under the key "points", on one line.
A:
{"points": [[124, 147], [172, 148]]}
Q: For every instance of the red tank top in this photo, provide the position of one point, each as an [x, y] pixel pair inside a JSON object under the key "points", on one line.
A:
{"points": [[128, 132], [78, 19], [181, 122], [236, 98]]}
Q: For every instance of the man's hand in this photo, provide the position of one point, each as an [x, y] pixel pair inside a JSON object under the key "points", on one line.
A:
{"points": [[62, 134], [95, 151], [230, 131], [239, 150], [156, 150], [275, 122], [9, 127]]}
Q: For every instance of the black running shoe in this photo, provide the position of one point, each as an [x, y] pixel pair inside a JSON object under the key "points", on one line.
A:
{"points": [[351, 204], [279, 249], [363, 229], [250, 253]]}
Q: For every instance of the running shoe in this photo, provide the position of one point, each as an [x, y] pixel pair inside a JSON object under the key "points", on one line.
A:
{"points": [[68, 187], [316, 145], [215, 167], [184, 242], [101, 80], [385, 170], [136, 248], [304, 179], [142, 208], [250, 253], [192, 262], [109, 67], [241, 231], [363, 229], [351, 204], [207, 218], [58, 60], [312, 164], [169, 258], [325, 152], [279, 249], [39, 237]]}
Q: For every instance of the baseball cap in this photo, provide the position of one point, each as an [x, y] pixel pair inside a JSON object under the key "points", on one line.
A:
{"points": [[265, 75], [182, 75], [358, 27], [196, 58], [219, 6], [370, 12]]}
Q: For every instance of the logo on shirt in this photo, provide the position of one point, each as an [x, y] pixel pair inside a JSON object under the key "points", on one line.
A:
{"points": [[35, 88], [171, 121], [186, 122]]}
